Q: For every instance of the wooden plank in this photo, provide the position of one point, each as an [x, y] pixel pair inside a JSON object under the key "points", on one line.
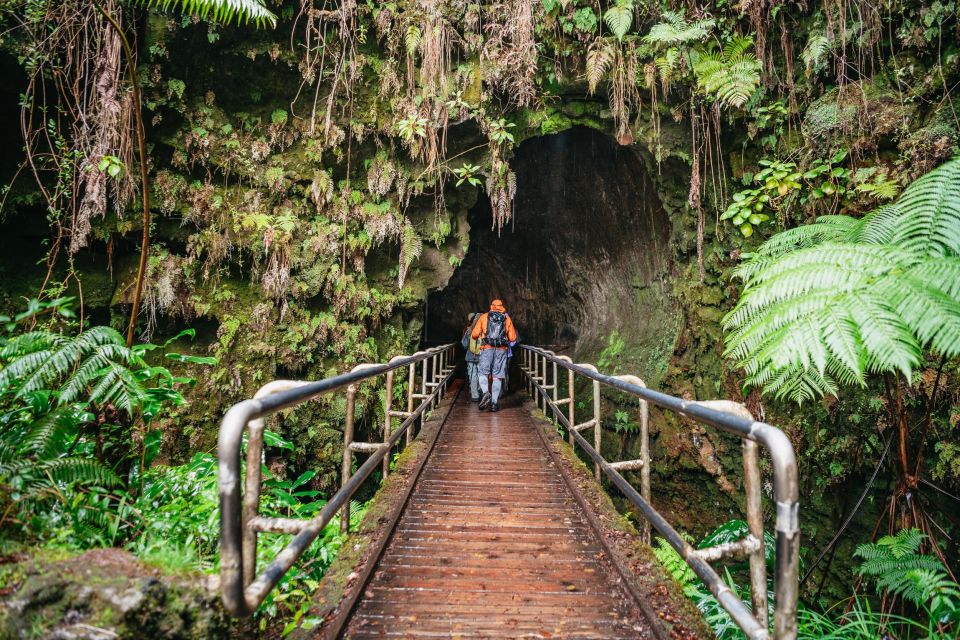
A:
{"points": [[493, 544]]}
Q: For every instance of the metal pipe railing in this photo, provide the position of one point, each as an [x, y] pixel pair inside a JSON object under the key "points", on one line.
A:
{"points": [[731, 417], [240, 523]]}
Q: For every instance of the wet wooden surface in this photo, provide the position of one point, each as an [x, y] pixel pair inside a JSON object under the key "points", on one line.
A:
{"points": [[492, 544]]}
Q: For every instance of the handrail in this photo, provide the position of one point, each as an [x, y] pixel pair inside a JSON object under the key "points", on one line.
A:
{"points": [[241, 588], [732, 418]]}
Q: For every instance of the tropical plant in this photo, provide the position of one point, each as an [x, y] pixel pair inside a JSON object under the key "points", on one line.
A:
{"points": [[95, 364], [893, 563], [730, 75], [224, 11], [827, 303], [779, 183], [619, 18], [834, 302], [892, 560]]}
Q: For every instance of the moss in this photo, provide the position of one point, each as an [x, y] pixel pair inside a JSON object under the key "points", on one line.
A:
{"points": [[110, 590]]}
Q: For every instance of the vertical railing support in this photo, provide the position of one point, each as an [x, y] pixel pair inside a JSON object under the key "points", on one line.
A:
{"points": [[596, 425], [556, 385], [346, 469], [570, 409], [758, 561], [387, 420], [645, 469], [251, 499], [411, 380]]}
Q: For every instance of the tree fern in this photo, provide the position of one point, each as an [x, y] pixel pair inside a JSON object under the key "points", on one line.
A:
{"points": [[225, 11], [826, 304], [932, 207]]}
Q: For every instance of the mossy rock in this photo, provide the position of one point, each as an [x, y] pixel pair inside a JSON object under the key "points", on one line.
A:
{"points": [[105, 593]]}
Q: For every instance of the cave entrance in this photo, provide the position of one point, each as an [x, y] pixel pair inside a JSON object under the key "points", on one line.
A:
{"points": [[582, 256]]}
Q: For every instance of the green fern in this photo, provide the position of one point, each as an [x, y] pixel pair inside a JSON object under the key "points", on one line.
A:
{"points": [[675, 30], [600, 58], [731, 75], [826, 304], [619, 18], [895, 566], [225, 11], [97, 359], [675, 565], [814, 54]]}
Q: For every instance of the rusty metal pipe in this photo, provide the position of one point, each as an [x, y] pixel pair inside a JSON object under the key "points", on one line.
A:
{"points": [[347, 466], [239, 598], [785, 483]]}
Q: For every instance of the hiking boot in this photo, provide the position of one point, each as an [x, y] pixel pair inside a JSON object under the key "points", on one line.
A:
{"points": [[494, 408], [485, 402]]}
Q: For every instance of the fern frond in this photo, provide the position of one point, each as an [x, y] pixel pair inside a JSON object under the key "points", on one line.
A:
{"points": [[48, 435], [931, 205], [120, 388], [224, 11], [75, 470], [814, 53], [619, 19], [30, 342], [676, 30], [599, 60], [22, 367]]}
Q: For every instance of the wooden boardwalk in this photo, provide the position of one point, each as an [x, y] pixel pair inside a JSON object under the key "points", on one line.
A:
{"points": [[493, 544]]}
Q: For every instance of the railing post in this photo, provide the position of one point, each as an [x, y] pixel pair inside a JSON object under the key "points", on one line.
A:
{"points": [[423, 389], [543, 383], [596, 425], [570, 410], [411, 379], [645, 469], [346, 469], [387, 421], [251, 499], [758, 564], [556, 385]]}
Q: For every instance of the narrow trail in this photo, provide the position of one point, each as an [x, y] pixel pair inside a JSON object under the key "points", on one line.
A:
{"points": [[493, 544]]}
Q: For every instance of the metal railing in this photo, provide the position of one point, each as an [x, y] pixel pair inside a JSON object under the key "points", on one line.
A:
{"points": [[542, 371], [240, 523]]}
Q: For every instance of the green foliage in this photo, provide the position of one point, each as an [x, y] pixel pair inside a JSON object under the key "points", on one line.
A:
{"points": [[225, 11], [731, 75], [779, 182], [619, 18], [95, 362], [828, 303], [585, 20], [468, 173], [412, 127], [610, 355], [895, 566], [676, 30], [892, 561]]}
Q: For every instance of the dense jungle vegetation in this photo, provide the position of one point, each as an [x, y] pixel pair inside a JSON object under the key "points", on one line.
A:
{"points": [[201, 196]]}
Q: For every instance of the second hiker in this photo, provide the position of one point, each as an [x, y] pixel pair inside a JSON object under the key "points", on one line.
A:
{"points": [[496, 330], [472, 347]]}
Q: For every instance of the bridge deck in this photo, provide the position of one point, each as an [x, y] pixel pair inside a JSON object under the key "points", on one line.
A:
{"points": [[493, 544]]}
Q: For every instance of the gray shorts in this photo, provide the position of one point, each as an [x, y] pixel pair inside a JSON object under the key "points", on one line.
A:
{"points": [[493, 362]]}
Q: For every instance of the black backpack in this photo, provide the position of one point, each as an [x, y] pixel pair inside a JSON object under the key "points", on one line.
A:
{"points": [[496, 330]]}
